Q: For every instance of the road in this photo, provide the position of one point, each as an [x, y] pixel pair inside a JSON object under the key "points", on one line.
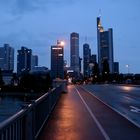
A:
{"points": [[115, 108], [123, 99], [91, 112]]}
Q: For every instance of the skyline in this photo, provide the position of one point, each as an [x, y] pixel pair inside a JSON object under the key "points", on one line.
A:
{"points": [[38, 24]]}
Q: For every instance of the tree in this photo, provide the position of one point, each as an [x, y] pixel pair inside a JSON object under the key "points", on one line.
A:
{"points": [[1, 79], [36, 82], [48, 81], [27, 82], [105, 72], [95, 73], [14, 80]]}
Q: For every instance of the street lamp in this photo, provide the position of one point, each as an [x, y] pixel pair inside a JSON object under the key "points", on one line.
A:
{"points": [[127, 66], [91, 65], [60, 43]]}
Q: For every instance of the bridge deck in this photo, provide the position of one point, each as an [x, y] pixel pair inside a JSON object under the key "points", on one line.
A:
{"points": [[70, 120]]}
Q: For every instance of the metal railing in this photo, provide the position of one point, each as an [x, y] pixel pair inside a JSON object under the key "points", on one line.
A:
{"points": [[29, 121]]}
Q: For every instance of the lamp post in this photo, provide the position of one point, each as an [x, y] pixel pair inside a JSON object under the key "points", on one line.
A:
{"points": [[91, 65], [127, 66]]}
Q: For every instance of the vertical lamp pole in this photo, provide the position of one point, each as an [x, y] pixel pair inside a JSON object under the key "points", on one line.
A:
{"points": [[127, 66]]}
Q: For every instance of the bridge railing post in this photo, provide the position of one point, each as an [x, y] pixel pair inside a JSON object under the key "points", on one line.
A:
{"points": [[28, 123]]}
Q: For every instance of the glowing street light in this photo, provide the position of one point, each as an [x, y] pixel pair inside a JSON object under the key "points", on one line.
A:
{"points": [[127, 66], [60, 43]]}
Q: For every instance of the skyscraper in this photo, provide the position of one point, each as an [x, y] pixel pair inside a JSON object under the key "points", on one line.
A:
{"points": [[57, 60], [86, 59], [116, 67], [74, 52], [105, 46], [7, 58], [34, 61], [93, 59], [80, 64], [24, 60]]}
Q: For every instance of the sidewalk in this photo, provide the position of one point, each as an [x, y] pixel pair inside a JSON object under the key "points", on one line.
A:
{"points": [[70, 120]]}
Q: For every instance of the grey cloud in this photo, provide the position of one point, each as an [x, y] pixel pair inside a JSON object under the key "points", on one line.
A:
{"points": [[25, 6], [19, 7]]}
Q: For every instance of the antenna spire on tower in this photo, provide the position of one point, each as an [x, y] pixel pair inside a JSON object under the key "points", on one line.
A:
{"points": [[100, 13]]}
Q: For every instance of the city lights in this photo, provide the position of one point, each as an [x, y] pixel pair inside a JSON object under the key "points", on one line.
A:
{"points": [[127, 66], [62, 43]]}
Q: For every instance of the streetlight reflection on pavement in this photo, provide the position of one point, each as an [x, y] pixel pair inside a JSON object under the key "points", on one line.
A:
{"points": [[127, 88]]}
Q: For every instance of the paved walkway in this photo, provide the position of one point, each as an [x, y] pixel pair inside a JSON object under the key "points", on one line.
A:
{"points": [[70, 120]]}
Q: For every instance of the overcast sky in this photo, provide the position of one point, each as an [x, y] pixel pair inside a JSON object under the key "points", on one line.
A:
{"points": [[37, 24]]}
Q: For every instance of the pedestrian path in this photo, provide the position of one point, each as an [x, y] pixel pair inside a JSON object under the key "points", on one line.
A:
{"points": [[70, 120]]}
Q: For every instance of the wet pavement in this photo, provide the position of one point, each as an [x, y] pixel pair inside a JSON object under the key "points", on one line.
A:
{"points": [[123, 99], [115, 125], [70, 120], [79, 115]]}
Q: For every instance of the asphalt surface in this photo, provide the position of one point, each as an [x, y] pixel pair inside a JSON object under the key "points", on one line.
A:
{"points": [[70, 120], [79, 115], [123, 99]]}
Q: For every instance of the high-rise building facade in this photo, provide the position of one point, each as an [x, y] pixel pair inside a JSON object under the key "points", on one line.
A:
{"points": [[7, 58], [80, 64], [24, 60], [116, 67], [86, 60], [34, 61], [57, 60], [74, 52], [93, 59], [105, 46]]}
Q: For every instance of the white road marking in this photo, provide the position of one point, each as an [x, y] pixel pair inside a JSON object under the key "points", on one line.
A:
{"points": [[125, 116], [93, 117], [134, 109]]}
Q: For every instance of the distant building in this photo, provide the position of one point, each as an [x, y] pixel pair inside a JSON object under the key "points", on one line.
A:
{"points": [[74, 52], [7, 58], [80, 64], [105, 46], [92, 62], [65, 63], [116, 67], [65, 66], [93, 58], [34, 61], [7, 77], [39, 69], [24, 60], [86, 59], [57, 60]]}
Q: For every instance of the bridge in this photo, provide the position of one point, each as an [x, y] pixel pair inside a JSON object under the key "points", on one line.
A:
{"points": [[77, 115]]}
